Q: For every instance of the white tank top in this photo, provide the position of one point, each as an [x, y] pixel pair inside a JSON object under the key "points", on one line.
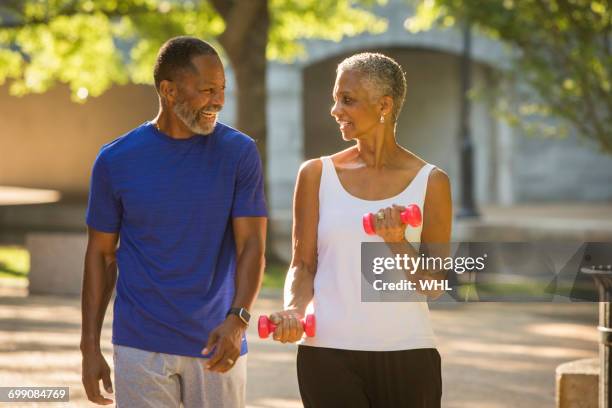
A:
{"points": [[343, 320]]}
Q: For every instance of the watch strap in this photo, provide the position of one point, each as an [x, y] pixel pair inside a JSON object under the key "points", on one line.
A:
{"points": [[242, 313]]}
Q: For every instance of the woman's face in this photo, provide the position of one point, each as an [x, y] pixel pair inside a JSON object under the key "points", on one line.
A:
{"points": [[354, 108]]}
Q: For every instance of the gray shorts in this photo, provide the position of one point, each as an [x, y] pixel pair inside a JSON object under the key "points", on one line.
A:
{"points": [[145, 379]]}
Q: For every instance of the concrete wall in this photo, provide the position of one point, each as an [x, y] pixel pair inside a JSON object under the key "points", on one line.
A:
{"points": [[47, 141], [285, 138], [569, 169]]}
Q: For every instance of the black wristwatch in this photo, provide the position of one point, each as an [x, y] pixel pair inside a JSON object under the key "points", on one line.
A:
{"points": [[242, 313]]}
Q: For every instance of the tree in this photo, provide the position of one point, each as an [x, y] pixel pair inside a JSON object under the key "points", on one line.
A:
{"points": [[563, 54]]}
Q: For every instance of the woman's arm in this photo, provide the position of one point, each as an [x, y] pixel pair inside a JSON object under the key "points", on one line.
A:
{"points": [[438, 214], [437, 223], [299, 283]]}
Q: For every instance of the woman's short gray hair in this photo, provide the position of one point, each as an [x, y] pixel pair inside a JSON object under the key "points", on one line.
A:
{"points": [[382, 74]]}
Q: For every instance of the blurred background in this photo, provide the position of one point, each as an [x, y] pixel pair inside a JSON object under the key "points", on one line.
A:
{"points": [[511, 98]]}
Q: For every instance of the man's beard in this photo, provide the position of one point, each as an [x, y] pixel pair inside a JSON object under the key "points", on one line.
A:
{"points": [[191, 118]]}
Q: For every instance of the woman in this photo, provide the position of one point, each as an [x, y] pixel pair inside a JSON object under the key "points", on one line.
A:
{"points": [[364, 354]]}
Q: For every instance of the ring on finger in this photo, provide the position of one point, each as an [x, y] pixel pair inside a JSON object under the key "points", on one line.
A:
{"points": [[380, 215]]}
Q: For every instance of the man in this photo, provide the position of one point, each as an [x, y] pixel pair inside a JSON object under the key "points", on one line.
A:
{"points": [[184, 194]]}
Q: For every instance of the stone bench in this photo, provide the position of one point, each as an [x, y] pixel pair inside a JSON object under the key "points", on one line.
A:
{"points": [[56, 262], [578, 384]]}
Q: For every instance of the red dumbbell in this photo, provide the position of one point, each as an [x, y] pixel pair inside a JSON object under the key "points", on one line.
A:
{"points": [[265, 326], [411, 216]]}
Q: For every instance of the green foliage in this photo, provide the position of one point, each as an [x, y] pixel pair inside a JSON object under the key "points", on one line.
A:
{"points": [[564, 55], [91, 45], [320, 19], [150, 30], [274, 276], [77, 50], [14, 262]]}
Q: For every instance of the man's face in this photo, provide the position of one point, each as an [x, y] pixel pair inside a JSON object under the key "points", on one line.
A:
{"points": [[201, 94]]}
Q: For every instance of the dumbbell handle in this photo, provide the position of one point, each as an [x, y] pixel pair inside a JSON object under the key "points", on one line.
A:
{"points": [[411, 216], [265, 326]]}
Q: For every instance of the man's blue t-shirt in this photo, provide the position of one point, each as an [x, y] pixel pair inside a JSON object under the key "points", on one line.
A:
{"points": [[172, 202]]}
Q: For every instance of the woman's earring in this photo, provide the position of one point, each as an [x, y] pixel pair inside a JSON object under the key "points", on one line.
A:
{"points": [[382, 118]]}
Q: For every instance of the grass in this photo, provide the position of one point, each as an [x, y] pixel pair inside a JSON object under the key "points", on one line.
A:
{"points": [[274, 276], [14, 262]]}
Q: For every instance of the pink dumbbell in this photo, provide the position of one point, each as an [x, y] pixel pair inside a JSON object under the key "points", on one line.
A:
{"points": [[411, 216], [265, 326]]}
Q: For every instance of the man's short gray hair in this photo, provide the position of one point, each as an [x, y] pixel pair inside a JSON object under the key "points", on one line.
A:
{"points": [[382, 74]]}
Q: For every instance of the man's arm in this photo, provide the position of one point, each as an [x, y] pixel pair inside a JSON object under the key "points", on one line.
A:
{"points": [[99, 280], [250, 237]]}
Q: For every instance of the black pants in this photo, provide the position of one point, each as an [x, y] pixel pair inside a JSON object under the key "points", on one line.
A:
{"points": [[334, 378]]}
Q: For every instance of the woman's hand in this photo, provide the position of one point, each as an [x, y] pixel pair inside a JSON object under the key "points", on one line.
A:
{"points": [[389, 225], [288, 326]]}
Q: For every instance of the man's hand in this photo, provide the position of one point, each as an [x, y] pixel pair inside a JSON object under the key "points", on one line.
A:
{"points": [[288, 326], [95, 369], [225, 339]]}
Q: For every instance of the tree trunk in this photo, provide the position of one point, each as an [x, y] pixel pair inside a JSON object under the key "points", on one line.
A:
{"points": [[249, 66], [247, 55]]}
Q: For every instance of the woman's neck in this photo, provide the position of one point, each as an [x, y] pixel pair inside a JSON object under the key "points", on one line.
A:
{"points": [[379, 150]]}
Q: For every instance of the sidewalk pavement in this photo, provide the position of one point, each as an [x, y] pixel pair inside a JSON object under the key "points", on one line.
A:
{"points": [[494, 355]]}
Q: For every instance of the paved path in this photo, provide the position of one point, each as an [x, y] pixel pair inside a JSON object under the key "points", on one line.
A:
{"points": [[494, 355]]}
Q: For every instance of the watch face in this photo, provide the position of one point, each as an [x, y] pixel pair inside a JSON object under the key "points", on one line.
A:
{"points": [[244, 315]]}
